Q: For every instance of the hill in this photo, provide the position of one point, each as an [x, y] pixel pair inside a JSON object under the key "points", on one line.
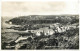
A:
{"points": [[44, 19]]}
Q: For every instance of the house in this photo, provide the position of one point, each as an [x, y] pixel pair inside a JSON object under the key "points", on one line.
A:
{"points": [[38, 33], [10, 22]]}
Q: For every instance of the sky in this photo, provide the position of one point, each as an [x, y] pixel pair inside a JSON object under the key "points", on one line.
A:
{"points": [[39, 8]]}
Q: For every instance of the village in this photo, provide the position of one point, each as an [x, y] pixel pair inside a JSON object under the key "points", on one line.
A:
{"points": [[42, 34]]}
